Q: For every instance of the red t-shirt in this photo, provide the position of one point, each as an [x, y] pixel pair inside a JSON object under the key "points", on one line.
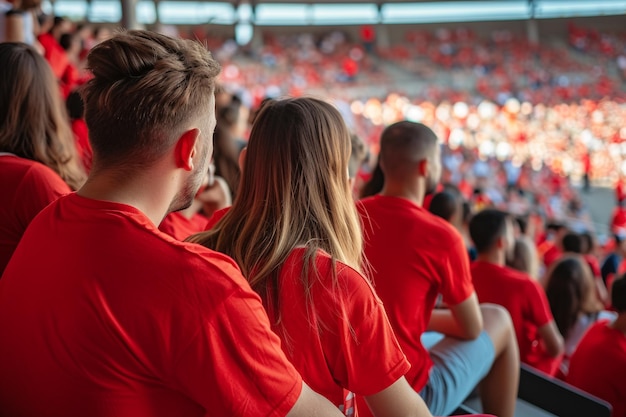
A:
{"points": [[594, 264], [83, 147], [180, 227], [527, 303], [54, 54], [342, 343], [598, 366], [216, 217], [414, 256], [27, 187], [101, 314], [551, 255]]}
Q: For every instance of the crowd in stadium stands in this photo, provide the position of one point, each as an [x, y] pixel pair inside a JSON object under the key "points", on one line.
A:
{"points": [[475, 180]]}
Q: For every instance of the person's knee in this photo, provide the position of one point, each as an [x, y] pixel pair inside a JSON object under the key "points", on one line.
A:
{"points": [[498, 324]]}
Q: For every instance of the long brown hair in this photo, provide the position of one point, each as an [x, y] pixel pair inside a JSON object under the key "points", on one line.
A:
{"points": [[294, 192], [571, 292], [33, 122]]}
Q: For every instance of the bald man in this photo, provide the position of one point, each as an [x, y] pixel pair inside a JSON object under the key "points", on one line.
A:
{"points": [[414, 257]]}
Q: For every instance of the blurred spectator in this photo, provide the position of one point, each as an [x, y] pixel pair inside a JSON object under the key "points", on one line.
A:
{"points": [[573, 302], [599, 363]]}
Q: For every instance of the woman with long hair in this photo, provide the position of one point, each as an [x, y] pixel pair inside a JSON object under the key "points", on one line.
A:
{"points": [[38, 161], [574, 302], [294, 231]]}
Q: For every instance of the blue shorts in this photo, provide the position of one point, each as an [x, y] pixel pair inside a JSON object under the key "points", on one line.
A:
{"points": [[458, 366]]}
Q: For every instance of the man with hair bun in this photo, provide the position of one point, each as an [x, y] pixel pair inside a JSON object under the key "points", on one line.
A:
{"points": [[101, 314]]}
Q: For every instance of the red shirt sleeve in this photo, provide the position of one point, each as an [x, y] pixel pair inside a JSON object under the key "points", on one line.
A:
{"points": [[256, 377], [456, 278], [369, 358], [537, 306], [39, 187]]}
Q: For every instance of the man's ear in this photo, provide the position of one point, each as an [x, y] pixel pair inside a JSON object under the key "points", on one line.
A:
{"points": [[186, 149], [501, 242], [242, 158]]}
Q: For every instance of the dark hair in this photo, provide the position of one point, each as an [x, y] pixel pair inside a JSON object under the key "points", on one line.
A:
{"points": [[522, 223], [66, 40], [486, 227], [588, 242], [573, 242], [375, 183], [555, 226], [618, 294], [444, 204], [467, 211], [75, 106], [568, 286], [226, 157]]}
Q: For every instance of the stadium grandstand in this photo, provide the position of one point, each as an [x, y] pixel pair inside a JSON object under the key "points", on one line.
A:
{"points": [[526, 98]]}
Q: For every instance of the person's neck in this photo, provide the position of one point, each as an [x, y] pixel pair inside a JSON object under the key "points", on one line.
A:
{"points": [[192, 210], [493, 257], [151, 192], [414, 193], [620, 323]]}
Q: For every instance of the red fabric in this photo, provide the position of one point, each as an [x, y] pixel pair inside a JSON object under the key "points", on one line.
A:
{"points": [[27, 187], [216, 217], [618, 220], [598, 366], [83, 147], [54, 54], [116, 318], [180, 227], [552, 254], [342, 343], [527, 303], [620, 192], [594, 264], [414, 256]]}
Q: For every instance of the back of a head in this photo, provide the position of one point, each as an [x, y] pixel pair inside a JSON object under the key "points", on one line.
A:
{"points": [[357, 155], [375, 184], [445, 205], [403, 144], [570, 291], [618, 294], [486, 227], [589, 242], [525, 257], [573, 243], [146, 87], [33, 122], [294, 188]]}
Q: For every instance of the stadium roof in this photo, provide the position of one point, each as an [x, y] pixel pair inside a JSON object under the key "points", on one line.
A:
{"points": [[333, 12]]}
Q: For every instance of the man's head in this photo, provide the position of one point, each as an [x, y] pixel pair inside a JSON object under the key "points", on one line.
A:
{"points": [[408, 149], [573, 242], [618, 294], [492, 230], [447, 206], [151, 96]]}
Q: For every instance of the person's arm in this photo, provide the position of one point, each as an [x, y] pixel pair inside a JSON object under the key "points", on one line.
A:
{"points": [[311, 404], [551, 338], [462, 320], [14, 27], [398, 399]]}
